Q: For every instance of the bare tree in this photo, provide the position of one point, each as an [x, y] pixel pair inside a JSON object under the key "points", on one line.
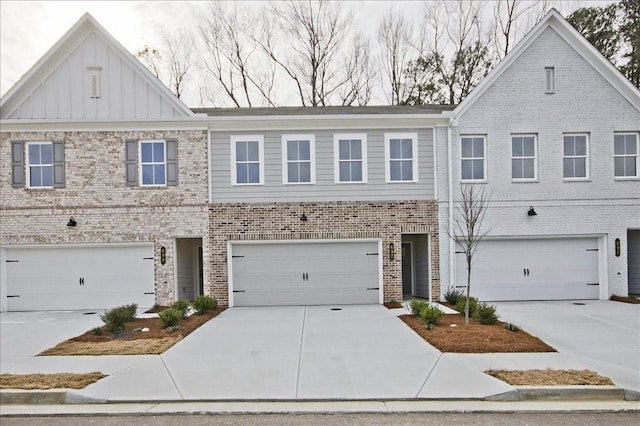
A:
{"points": [[513, 18], [359, 72], [395, 38], [150, 56], [466, 228], [308, 43], [179, 58]]}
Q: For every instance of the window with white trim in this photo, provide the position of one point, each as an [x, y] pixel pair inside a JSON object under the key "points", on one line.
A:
{"points": [[575, 160], [153, 163], [473, 158], [401, 157], [625, 155], [350, 153], [40, 165], [523, 157], [298, 159], [247, 153]]}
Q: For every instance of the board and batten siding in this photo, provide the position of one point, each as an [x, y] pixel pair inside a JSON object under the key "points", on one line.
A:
{"points": [[325, 187], [124, 91]]}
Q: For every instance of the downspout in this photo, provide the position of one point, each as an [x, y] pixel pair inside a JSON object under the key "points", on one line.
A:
{"points": [[450, 185]]}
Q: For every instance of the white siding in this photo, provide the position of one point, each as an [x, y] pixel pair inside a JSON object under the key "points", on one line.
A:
{"points": [[325, 188]]}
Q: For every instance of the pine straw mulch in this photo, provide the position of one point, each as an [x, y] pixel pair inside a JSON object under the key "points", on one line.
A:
{"points": [[629, 299], [451, 335], [48, 381], [130, 342], [550, 377], [393, 305]]}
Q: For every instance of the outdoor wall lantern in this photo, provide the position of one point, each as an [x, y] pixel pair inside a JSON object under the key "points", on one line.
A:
{"points": [[163, 255], [532, 212], [72, 222], [392, 251], [303, 218], [617, 247]]}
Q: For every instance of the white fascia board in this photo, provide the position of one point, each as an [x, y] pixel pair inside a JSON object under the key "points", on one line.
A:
{"points": [[107, 125]]}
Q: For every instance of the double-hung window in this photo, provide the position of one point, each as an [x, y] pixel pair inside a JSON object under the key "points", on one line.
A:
{"points": [[298, 159], [575, 160], [523, 157], [153, 165], [37, 164], [625, 155], [247, 153], [473, 158], [350, 152], [401, 152]]}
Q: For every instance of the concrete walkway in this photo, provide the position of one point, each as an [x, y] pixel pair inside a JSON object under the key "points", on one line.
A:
{"points": [[284, 353]]}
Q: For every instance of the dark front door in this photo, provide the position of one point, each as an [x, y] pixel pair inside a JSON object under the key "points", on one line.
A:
{"points": [[407, 268]]}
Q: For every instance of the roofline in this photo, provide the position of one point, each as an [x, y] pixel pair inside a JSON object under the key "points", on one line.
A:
{"points": [[568, 33], [84, 19]]}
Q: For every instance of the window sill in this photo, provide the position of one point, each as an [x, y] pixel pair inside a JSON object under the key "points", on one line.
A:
{"points": [[626, 178], [401, 181], [525, 181]]}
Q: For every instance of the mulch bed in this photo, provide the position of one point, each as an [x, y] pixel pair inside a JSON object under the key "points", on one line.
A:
{"points": [[452, 335], [393, 305], [633, 300], [550, 377]]}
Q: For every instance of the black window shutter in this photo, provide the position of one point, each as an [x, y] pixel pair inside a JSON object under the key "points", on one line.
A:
{"points": [[172, 162], [131, 161], [17, 164], [58, 164]]}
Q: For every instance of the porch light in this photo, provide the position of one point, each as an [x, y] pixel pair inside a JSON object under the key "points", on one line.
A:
{"points": [[72, 222], [392, 251], [532, 212], [303, 218]]}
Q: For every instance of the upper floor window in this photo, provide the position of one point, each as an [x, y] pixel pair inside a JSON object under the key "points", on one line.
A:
{"points": [[472, 158], [41, 167], [153, 166], [350, 151], [151, 162], [298, 162], [625, 155], [575, 160], [247, 154], [523, 157], [401, 152]]}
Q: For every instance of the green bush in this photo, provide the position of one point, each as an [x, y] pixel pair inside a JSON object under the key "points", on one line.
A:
{"points": [[452, 295], [97, 331], [204, 304], [182, 306], [430, 315], [115, 319], [417, 305], [473, 305], [485, 314], [170, 318]]}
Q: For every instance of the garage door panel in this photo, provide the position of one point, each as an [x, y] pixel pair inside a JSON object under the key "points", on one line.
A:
{"points": [[305, 273], [533, 269], [79, 277]]}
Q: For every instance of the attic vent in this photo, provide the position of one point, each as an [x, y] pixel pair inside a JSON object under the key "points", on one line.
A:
{"points": [[550, 78], [94, 81]]}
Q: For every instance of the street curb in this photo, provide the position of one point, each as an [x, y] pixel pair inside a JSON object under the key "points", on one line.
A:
{"points": [[520, 393]]}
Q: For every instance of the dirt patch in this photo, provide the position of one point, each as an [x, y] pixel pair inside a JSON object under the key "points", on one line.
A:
{"points": [[550, 377], [451, 335], [393, 305], [630, 299], [156, 309], [132, 341], [48, 381]]}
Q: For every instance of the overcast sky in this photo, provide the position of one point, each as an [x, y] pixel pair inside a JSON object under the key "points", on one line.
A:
{"points": [[29, 28]]}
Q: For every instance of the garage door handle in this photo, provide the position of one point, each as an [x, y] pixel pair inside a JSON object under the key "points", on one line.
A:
{"points": [[593, 283], [13, 295], [150, 292], [373, 288], [238, 291]]}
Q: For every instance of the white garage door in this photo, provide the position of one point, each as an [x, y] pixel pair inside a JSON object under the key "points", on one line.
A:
{"points": [[538, 269], [79, 277], [305, 273]]}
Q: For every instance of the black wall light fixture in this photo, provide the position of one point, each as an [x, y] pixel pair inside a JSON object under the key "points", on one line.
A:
{"points": [[72, 222], [303, 218], [163, 255], [618, 248], [532, 212], [392, 251]]}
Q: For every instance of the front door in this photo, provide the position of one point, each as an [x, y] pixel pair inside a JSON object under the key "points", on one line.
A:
{"points": [[407, 269]]}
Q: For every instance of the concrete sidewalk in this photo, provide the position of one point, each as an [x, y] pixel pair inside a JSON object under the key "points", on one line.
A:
{"points": [[288, 354]]}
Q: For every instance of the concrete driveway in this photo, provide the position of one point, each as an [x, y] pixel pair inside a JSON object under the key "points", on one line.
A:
{"points": [[602, 335]]}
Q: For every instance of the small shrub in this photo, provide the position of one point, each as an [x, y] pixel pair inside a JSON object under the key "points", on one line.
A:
{"points": [[417, 305], [174, 328], [170, 317], [430, 315], [96, 331], [485, 314], [473, 305], [115, 319], [204, 304], [511, 327], [452, 295], [182, 306]]}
